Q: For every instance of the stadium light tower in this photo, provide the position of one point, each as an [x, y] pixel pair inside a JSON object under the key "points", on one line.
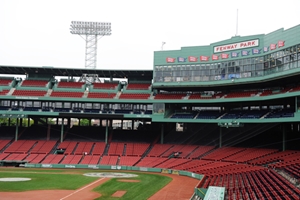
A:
{"points": [[92, 31]]}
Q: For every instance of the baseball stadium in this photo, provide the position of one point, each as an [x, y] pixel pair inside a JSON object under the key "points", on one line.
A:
{"points": [[219, 121]]}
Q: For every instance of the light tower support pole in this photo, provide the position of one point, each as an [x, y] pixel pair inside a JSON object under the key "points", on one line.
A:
{"points": [[91, 51], [92, 31]]}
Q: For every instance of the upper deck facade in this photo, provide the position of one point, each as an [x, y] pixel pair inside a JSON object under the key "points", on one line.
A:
{"points": [[246, 59]]}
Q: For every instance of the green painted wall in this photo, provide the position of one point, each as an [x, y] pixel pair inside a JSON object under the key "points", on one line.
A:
{"points": [[290, 36]]}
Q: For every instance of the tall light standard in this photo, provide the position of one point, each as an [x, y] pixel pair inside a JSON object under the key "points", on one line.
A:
{"points": [[92, 31], [162, 45]]}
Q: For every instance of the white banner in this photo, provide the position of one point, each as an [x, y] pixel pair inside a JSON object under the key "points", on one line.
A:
{"points": [[235, 46]]}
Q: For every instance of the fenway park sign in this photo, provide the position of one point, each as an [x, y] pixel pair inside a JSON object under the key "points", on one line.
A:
{"points": [[235, 46]]}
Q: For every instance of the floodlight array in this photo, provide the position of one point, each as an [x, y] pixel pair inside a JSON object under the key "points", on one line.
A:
{"points": [[90, 28]]}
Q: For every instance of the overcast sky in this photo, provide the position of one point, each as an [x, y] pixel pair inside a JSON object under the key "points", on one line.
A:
{"points": [[36, 32]]}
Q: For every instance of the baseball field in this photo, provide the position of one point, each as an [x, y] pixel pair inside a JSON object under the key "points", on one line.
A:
{"points": [[67, 184]]}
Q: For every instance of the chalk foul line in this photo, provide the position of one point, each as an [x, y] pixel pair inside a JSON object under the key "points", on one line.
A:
{"points": [[82, 188]]}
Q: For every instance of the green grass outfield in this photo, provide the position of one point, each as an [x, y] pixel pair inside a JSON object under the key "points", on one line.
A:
{"points": [[47, 179]]}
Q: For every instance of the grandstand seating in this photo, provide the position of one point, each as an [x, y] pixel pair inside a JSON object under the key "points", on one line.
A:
{"points": [[3, 156], [71, 159], [266, 93], [159, 149], [233, 114], [280, 113], [151, 161], [66, 94], [38, 93], [249, 154], [34, 83], [63, 84], [295, 89], [253, 114], [206, 96], [53, 159], [172, 163], [182, 150], [67, 146], [170, 96], [98, 148], [209, 114], [148, 112], [222, 153], [116, 148], [260, 184], [273, 157], [241, 94], [20, 146], [3, 143], [43, 147], [138, 86], [241, 171], [134, 96], [4, 92], [128, 160], [90, 160], [5, 82], [293, 170], [120, 111], [84, 147], [109, 160], [5, 107], [136, 149], [200, 151], [111, 86], [15, 157], [246, 173], [31, 109], [35, 158], [101, 95], [183, 115], [286, 161]]}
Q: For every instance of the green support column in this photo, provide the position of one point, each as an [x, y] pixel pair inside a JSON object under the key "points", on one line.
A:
{"points": [[69, 122], [62, 130], [283, 137], [162, 134], [132, 124], [296, 105], [106, 132], [21, 122], [220, 144], [17, 129]]}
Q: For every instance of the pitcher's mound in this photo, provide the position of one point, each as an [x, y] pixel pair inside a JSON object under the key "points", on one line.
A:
{"points": [[118, 193]]}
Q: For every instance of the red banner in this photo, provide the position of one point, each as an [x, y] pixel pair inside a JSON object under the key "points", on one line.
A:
{"points": [[204, 58], [280, 43], [170, 60], [224, 55], [193, 59], [272, 46], [215, 57]]}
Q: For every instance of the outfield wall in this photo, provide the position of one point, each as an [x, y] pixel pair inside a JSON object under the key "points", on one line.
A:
{"points": [[116, 167]]}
